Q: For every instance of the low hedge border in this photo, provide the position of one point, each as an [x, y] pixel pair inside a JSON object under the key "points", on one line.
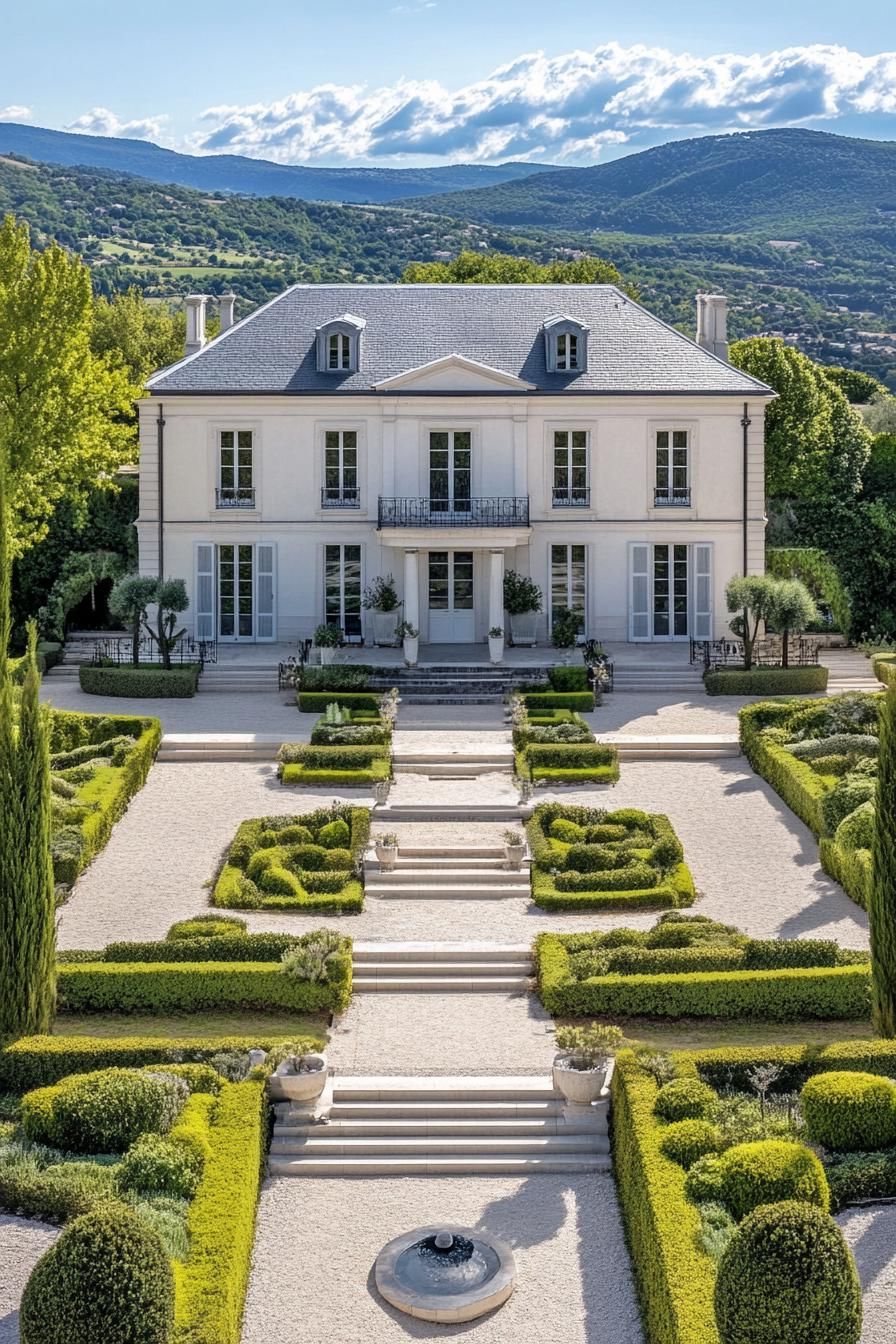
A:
{"points": [[568, 763], [884, 667], [850, 867], [152, 682], [189, 987], [210, 1286], [578, 700], [791, 994], [39, 1061], [246, 947], [766, 681], [315, 702], [672, 894], [326, 892]]}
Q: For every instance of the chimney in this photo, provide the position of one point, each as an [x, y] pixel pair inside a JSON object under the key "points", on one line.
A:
{"points": [[225, 308], [712, 324], [195, 323]]}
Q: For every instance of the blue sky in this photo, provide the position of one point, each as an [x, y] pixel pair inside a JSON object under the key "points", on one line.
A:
{"points": [[432, 81]]}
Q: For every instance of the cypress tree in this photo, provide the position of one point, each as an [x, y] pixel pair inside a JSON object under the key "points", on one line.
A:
{"points": [[882, 903], [27, 897]]}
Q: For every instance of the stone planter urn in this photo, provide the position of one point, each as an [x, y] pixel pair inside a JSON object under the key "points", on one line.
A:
{"points": [[386, 852], [327, 655], [522, 627], [381, 791], [411, 647], [580, 1086], [384, 628], [496, 648], [302, 1078], [514, 855]]}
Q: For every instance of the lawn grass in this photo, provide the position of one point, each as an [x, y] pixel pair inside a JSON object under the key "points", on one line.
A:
{"points": [[193, 1024], [702, 1034]]}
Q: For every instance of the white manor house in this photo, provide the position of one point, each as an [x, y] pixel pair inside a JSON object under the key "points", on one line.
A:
{"points": [[444, 434]]}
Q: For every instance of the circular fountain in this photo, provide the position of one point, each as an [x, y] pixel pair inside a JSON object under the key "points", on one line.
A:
{"points": [[445, 1273]]}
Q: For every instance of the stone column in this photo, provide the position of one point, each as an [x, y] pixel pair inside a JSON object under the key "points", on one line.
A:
{"points": [[495, 589], [412, 588]]}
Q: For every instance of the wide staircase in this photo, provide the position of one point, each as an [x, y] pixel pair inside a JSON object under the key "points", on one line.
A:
{"points": [[659, 678], [441, 968], [848, 670], [442, 872], [392, 1126], [455, 683]]}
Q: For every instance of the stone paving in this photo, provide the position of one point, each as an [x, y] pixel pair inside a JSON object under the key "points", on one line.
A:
{"points": [[209, 712], [22, 1243], [871, 1235]]}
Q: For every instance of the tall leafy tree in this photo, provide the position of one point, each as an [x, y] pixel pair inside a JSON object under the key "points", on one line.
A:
{"points": [[140, 336], [501, 268], [882, 902], [64, 410], [27, 897]]}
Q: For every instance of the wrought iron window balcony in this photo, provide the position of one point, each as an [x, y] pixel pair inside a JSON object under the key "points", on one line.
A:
{"points": [[491, 511], [241, 497], [678, 497], [336, 497], [571, 497]]}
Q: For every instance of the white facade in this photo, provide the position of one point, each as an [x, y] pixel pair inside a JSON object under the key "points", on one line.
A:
{"points": [[572, 490]]}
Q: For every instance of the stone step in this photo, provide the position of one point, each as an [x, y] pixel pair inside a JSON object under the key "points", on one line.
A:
{"points": [[440, 863], [632, 747], [390, 970], [447, 1145], [446, 699], [434, 1111], [476, 984], [400, 1089], [498, 1164], [459, 853], [471, 769], [458, 876], [453, 891], [427, 1127], [449, 812], [441, 952]]}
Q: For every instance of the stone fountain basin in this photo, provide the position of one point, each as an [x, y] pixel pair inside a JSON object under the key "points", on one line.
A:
{"points": [[441, 1307]]}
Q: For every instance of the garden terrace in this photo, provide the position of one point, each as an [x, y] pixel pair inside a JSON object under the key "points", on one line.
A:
{"points": [[589, 858], [698, 1144], [820, 756], [98, 763], [556, 746], [302, 863], [691, 966]]}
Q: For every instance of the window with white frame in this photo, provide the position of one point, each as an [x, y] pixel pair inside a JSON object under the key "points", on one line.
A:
{"points": [[339, 351], [339, 344], [236, 482], [340, 488], [566, 344], [569, 486], [568, 580], [567, 350], [672, 484], [342, 589]]}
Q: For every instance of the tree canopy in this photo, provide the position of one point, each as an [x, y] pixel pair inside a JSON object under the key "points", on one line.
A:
{"points": [[500, 268], [64, 410], [137, 335]]}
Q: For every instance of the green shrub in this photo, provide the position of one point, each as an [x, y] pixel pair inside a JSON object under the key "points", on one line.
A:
{"points": [[107, 1278], [102, 1112], [787, 1274], [561, 829], [208, 926], [595, 858], [768, 1171], [568, 678], [850, 867], [856, 830], [685, 1099], [766, 681], [336, 677], [150, 682], [673, 960], [250, 947], [862, 1176], [558, 760], [848, 1112], [316, 702], [262, 843], [335, 835], [685, 1141], [154, 1165], [839, 744], [199, 1078], [54, 1193], [582, 701], [848, 794], [884, 665], [772, 954]]}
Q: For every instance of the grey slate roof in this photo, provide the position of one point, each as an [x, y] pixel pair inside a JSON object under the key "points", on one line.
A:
{"points": [[272, 351]]}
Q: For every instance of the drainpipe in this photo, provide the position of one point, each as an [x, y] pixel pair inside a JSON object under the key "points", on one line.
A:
{"points": [[745, 425], [160, 446]]}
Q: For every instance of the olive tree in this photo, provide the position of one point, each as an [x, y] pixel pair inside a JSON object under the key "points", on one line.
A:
{"points": [[170, 597], [792, 609], [752, 598], [129, 602]]}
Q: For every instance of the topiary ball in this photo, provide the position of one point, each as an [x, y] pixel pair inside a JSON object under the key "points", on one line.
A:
{"points": [[768, 1171], [850, 1112], [154, 1165], [335, 835], [684, 1141], [685, 1099], [787, 1274], [107, 1278], [703, 1183], [103, 1111]]}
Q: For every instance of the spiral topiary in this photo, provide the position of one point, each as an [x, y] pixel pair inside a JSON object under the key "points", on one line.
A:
{"points": [[685, 1099], [787, 1274], [850, 1112], [767, 1171], [107, 1278]]}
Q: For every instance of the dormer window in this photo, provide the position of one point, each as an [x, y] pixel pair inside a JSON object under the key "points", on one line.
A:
{"points": [[566, 345], [339, 344]]}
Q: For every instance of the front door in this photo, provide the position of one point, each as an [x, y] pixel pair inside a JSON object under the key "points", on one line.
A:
{"points": [[451, 613], [670, 591], [236, 592]]}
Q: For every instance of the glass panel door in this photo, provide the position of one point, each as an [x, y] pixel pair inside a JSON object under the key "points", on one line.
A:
{"points": [[342, 589], [670, 592], [236, 581], [568, 577], [450, 475], [451, 597]]}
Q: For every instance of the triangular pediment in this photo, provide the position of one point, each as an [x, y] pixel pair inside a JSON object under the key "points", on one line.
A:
{"points": [[454, 373]]}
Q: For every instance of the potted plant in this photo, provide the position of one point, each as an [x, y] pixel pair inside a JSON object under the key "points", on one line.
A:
{"points": [[300, 1078], [386, 847], [381, 791], [514, 849], [327, 638], [410, 637], [584, 1061], [381, 597], [496, 643], [522, 602], [566, 626]]}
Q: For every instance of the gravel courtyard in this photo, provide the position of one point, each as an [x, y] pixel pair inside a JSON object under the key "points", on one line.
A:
{"points": [[754, 861], [22, 1243], [871, 1235], [317, 1240]]}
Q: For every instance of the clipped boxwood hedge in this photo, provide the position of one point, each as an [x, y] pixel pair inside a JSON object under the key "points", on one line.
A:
{"points": [[884, 665], [569, 762], [578, 700], [280, 863], [315, 702], [349, 767], [766, 681], [149, 682], [190, 987]]}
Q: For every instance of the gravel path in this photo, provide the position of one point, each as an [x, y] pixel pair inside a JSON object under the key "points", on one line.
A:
{"points": [[505, 1034], [754, 861], [22, 1243], [871, 1234], [317, 1240]]}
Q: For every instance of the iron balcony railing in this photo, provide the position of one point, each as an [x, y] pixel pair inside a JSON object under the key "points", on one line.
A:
{"points": [[490, 511], [571, 497], [338, 497], [241, 497], [678, 497]]}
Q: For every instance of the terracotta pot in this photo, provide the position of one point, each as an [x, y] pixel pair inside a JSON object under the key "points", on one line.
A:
{"points": [[580, 1086]]}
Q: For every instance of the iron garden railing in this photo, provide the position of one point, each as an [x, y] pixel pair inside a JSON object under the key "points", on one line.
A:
{"points": [[712, 653]]}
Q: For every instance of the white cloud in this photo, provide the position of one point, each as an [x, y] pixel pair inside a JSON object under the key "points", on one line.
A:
{"points": [[565, 107], [100, 121], [413, 7], [15, 112]]}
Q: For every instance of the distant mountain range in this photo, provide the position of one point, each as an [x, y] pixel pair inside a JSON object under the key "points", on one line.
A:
{"points": [[251, 177], [783, 180]]}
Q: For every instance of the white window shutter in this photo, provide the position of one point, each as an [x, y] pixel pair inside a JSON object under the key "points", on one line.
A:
{"points": [[205, 590], [639, 591], [703, 590], [265, 560]]}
